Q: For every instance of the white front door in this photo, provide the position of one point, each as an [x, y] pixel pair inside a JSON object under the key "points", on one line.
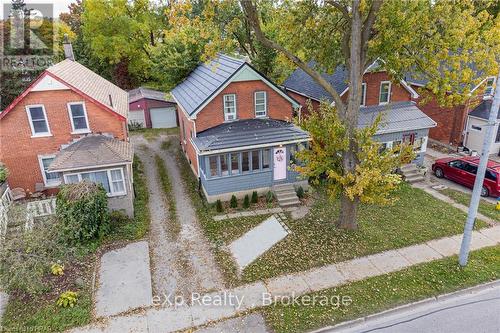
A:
{"points": [[279, 169]]}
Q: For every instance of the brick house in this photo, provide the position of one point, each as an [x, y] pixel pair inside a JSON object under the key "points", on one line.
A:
{"points": [[236, 130], [402, 118], [151, 108], [69, 124]]}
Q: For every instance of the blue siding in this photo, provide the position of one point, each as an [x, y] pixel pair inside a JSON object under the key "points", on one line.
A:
{"points": [[390, 137]]}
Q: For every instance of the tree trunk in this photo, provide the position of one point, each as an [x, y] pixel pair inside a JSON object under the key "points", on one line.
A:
{"points": [[348, 213]]}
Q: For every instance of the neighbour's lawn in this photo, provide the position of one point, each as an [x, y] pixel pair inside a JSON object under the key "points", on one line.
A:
{"points": [[486, 208], [152, 134], [387, 291]]}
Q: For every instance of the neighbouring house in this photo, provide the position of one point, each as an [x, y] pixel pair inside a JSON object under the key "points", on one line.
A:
{"points": [[402, 119], [151, 109], [69, 124], [477, 121], [236, 130]]}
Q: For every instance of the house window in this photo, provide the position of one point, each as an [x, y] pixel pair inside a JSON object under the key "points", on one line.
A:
{"points": [[229, 107], [260, 104], [38, 120], [363, 94], [112, 180], [49, 178], [497, 139], [224, 168], [245, 161], [385, 92], [78, 116], [488, 91], [212, 160], [255, 159], [235, 164], [476, 128], [266, 153]]}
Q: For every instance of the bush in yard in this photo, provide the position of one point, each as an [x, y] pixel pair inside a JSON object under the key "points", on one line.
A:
{"points": [[269, 197], [218, 206], [134, 126], [246, 201], [57, 269], [300, 192], [3, 173], [234, 202], [255, 197], [67, 298], [82, 210]]}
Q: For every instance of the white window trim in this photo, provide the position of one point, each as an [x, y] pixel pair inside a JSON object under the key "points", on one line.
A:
{"points": [[490, 95], [363, 89], [42, 169], [33, 134], [110, 182], [388, 93], [255, 104], [79, 131], [224, 108]]}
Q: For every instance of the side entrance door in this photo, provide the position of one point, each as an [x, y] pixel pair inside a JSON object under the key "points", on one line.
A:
{"points": [[279, 159]]}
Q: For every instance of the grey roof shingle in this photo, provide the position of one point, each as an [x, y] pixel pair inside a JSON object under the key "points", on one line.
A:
{"points": [[204, 81], [301, 82], [91, 84], [248, 132], [92, 151], [396, 117], [483, 110], [139, 93]]}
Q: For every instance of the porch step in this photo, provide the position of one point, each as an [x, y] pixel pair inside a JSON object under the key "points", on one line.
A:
{"points": [[286, 195], [415, 179], [411, 174]]}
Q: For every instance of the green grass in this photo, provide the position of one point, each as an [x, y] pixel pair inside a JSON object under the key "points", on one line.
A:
{"points": [[152, 134], [416, 217], [387, 291], [166, 185], [486, 208]]}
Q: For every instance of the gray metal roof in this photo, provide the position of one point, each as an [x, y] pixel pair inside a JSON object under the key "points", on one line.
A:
{"points": [[204, 81], [139, 93], [396, 117], [92, 151], [483, 110], [248, 132], [302, 83]]}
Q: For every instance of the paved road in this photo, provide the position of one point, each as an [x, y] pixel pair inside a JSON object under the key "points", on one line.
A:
{"points": [[477, 312]]}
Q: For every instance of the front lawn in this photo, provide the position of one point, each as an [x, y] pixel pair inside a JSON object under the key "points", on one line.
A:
{"points": [[486, 208], [379, 293]]}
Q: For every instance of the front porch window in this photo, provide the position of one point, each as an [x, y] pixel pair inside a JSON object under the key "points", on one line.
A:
{"points": [[112, 180], [235, 163], [266, 153], [245, 161]]}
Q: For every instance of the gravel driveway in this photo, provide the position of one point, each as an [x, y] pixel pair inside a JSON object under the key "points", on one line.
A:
{"points": [[184, 265]]}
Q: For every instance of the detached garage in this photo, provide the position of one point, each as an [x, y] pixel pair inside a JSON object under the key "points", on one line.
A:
{"points": [[152, 109], [477, 122]]}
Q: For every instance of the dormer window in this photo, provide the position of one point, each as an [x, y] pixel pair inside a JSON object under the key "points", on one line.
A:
{"points": [[230, 107], [260, 104], [488, 91], [385, 92], [363, 94]]}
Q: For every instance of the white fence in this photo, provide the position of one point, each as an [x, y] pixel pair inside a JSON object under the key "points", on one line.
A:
{"points": [[37, 209], [5, 202]]}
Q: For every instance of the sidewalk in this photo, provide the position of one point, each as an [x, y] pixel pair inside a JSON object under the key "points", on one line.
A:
{"points": [[170, 319]]}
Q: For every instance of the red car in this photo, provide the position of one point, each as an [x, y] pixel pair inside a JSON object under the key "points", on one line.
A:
{"points": [[463, 171]]}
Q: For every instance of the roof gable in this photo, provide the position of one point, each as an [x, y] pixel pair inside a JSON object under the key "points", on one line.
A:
{"points": [[208, 80]]}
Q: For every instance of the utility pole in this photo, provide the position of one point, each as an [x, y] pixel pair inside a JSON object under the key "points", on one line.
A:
{"points": [[481, 170]]}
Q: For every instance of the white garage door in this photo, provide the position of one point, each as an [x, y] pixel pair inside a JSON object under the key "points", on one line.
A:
{"points": [[163, 118], [137, 116]]}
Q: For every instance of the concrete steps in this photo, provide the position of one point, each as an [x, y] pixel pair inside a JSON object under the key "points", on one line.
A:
{"points": [[286, 195], [411, 174]]}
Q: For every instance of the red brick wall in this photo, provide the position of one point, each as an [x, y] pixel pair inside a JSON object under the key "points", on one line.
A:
{"points": [[20, 152], [212, 115], [146, 105], [187, 147], [304, 102]]}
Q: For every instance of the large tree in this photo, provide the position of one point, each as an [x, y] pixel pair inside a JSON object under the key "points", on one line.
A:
{"points": [[447, 42]]}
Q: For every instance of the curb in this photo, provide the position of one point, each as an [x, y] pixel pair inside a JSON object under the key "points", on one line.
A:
{"points": [[409, 306]]}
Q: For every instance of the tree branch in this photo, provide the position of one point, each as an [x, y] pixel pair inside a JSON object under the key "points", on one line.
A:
{"points": [[367, 27], [253, 19], [341, 8]]}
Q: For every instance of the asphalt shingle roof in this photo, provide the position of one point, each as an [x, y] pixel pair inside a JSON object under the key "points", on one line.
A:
{"points": [[92, 84], [248, 132], [396, 117], [136, 94], [92, 151], [204, 81], [483, 110]]}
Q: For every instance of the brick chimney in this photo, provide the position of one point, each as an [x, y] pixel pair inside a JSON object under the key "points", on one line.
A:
{"points": [[68, 48]]}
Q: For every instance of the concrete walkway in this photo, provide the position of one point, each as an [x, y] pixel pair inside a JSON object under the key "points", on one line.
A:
{"points": [[251, 296]]}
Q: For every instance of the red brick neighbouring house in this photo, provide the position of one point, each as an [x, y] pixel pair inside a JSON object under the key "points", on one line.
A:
{"points": [[72, 116], [235, 128], [151, 108]]}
